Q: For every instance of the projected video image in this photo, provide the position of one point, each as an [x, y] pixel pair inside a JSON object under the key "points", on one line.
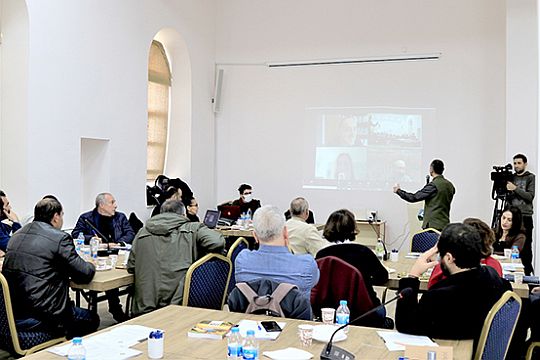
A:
{"points": [[366, 150]]}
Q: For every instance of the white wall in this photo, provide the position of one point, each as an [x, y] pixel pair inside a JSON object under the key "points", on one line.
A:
{"points": [[259, 123], [14, 98], [522, 88], [87, 77]]}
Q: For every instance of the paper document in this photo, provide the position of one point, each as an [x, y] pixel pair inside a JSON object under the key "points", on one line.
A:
{"points": [[396, 341], [260, 333], [113, 344]]}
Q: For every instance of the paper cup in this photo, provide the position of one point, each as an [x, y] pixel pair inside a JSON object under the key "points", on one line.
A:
{"points": [[305, 333], [508, 253], [518, 278], [327, 315]]}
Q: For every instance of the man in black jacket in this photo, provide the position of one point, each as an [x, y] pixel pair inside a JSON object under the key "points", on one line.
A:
{"points": [[39, 263], [456, 307]]}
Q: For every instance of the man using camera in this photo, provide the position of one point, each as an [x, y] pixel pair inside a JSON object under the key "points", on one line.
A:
{"points": [[521, 195]]}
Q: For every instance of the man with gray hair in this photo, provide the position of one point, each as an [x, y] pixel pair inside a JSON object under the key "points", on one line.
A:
{"points": [[273, 260], [161, 254], [304, 238], [115, 226]]}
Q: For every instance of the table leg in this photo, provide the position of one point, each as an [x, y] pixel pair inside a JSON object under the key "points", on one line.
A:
{"points": [[78, 298]]}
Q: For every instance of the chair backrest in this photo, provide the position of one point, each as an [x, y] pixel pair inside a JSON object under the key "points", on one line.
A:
{"points": [[498, 328], [235, 249], [207, 281], [424, 240], [340, 281], [8, 331]]}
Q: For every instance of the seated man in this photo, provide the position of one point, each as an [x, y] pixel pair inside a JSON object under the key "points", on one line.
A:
{"points": [[163, 251], [38, 266], [115, 226], [273, 260], [303, 237], [455, 307], [192, 209], [246, 200], [9, 221]]}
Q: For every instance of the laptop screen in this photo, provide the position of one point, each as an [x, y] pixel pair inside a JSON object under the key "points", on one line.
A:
{"points": [[211, 218]]}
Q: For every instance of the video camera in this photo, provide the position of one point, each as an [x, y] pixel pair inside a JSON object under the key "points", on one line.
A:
{"points": [[500, 176]]}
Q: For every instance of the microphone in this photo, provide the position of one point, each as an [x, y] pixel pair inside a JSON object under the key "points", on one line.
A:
{"points": [[427, 179], [89, 223], [331, 352]]}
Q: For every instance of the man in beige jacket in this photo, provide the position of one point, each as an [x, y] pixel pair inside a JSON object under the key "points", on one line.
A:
{"points": [[303, 237]]}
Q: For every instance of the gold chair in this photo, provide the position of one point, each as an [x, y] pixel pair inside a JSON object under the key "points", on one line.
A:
{"points": [[207, 281], [531, 350], [240, 244], [22, 342], [498, 328]]}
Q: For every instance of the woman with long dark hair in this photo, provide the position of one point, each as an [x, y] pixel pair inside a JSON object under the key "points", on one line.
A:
{"points": [[510, 231]]}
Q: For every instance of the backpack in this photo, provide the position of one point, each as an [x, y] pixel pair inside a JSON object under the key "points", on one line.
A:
{"points": [[268, 304]]}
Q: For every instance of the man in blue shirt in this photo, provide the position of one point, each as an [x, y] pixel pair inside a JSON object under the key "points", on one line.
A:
{"points": [[9, 222], [273, 260]]}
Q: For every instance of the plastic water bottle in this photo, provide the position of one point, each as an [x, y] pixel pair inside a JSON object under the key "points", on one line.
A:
{"points": [[79, 242], [379, 250], [94, 247], [77, 350], [250, 349], [248, 218], [234, 347], [343, 315], [515, 254]]}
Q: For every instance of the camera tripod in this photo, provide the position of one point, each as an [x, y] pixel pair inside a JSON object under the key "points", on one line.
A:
{"points": [[500, 204]]}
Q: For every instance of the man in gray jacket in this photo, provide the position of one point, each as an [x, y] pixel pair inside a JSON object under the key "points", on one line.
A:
{"points": [[161, 254], [521, 195]]}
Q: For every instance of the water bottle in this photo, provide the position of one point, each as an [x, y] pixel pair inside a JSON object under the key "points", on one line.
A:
{"points": [[94, 247], [250, 350], [77, 350], [343, 314], [248, 218], [234, 347], [379, 250], [79, 242], [515, 254]]}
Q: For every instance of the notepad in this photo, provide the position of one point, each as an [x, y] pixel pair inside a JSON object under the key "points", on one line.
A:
{"points": [[396, 341]]}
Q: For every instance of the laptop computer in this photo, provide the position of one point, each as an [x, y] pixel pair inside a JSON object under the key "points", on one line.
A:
{"points": [[211, 218], [231, 212]]}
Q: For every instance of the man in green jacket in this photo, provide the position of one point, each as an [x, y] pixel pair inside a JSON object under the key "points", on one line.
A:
{"points": [[437, 194], [162, 252]]}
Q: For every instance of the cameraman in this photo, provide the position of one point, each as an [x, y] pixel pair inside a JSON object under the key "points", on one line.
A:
{"points": [[521, 195]]}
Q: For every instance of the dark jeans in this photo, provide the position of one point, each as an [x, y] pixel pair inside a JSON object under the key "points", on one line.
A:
{"points": [[80, 322], [526, 253]]}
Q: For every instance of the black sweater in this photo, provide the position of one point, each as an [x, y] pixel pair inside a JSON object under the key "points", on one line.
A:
{"points": [[454, 308], [362, 258]]}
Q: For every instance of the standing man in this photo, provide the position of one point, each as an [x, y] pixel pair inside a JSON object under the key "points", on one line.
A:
{"points": [[521, 195], [115, 226], [39, 264], [437, 194], [9, 221]]}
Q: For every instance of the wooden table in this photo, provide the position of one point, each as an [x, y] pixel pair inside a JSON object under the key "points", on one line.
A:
{"points": [[404, 265], [102, 281], [177, 320]]}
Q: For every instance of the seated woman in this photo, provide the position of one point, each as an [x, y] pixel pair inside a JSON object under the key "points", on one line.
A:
{"points": [[510, 230], [488, 238], [340, 229]]}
